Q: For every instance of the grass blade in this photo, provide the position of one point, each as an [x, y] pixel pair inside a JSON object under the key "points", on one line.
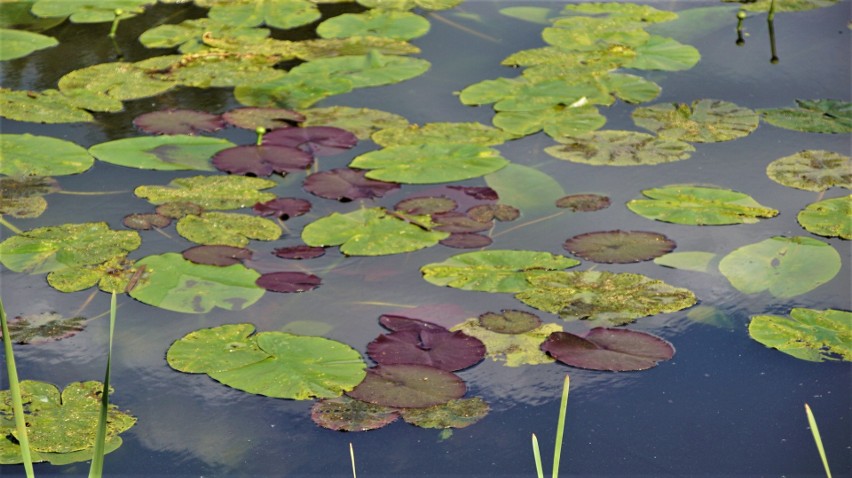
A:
{"points": [[352, 456], [537, 456], [560, 426], [97, 468], [15, 391], [817, 439]]}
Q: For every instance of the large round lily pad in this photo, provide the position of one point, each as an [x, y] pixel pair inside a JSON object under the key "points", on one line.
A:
{"points": [[812, 170], [215, 349], [699, 205], [210, 192], [830, 218], [619, 247], [29, 155], [429, 163], [619, 148], [437, 347], [165, 153], [704, 121], [313, 140], [261, 160], [617, 350], [807, 334], [227, 228], [413, 386]]}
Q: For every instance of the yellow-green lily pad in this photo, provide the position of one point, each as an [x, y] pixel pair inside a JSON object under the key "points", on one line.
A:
{"points": [[830, 217], [210, 192], [807, 334]]}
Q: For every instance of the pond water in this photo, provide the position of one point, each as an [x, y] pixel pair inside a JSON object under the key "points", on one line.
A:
{"points": [[725, 405]]}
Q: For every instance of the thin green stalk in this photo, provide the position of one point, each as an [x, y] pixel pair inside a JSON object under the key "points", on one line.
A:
{"points": [[560, 426], [260, 130], [352, 456], [118, 14], [10, 226], [15, 391], [817, 439], [97, 468], [537, 455]]}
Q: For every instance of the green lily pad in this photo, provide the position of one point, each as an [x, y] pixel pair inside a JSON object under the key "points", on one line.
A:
{"points": [[584, 202], [283, 14], [813, 116], [699, 205], [90, 11], [29, 155], [58, 423], [44, 327], [459, 413], [429, 163], [556, 121], [784, 266], [629, 11], [410, 4], [48, 106], [213, 69], [22, 198], [292, 91], [377, 22], [514, 182], [579, 33], [53, 248], [830, 218], [164, 153], [118, 81], [112, 275], [705, 121], [229, 229], [495, 270], [372, 69], [807, 334], [350, 415], [519, 94], [19, 43], [362, 122], [619, 148], [661, 53], [372, 232], [784, 5], [443, 133], [17, 15], [173, 283], [688, 261], [812, 170], [216, 349], [602, 296], [210, 192], [315, 49], [403, 385], [187, 35], [512, 349]]}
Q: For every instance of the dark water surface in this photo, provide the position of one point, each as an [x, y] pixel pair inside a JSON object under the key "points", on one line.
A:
{"points": [[724, 406]]}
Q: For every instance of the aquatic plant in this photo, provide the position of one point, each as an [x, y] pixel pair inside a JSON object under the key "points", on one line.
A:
{"points": [[560, 431]]}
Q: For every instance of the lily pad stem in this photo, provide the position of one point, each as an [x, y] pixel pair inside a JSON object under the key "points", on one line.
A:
{"points": [[260, 130], [10, 226], [118, 13]]}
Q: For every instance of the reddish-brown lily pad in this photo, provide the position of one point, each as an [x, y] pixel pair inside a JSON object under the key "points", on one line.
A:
{"points": [[489, 212], [426, 205], [267, 118], [453, 414], [261, 161], [439, 348], [619, 247], [217, 255], [350, 415], [602, 348], [146, 221], [299, 252], [179, 122], [397, 323], [345, 184], [282, 208], [583, 202], [410, 386], [288, 281], [483, 193], [509, 321], [314, 140], [459, 222], [466, 240]]}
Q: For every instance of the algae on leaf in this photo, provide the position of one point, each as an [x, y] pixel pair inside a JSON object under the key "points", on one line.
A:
{"points": [[699, 205], [812, 116], [807, 334], [223, 228], [442, 133], [187, 35], [458, 413], [812, 170], [619, 148], [512, 349], [283, 14], [830, 217], [704, 121], [210, 192], [47, 106]]}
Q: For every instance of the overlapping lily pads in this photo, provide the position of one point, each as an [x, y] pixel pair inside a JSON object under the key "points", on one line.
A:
{"points": [[345, 184], [165, 153], [362, 122], [282, 14], [90, 11], [512, 349], [187, 35], [619, 148], [699, 205], [433, 346], [350, 415], [807, 334], [812, 170], [704, 121], [459, 413], [406, 385]]}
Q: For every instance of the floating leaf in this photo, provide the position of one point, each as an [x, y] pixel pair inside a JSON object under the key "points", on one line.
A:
{"points": [[429, 163], [458, 413], [112, 275], [812, 170], [223, 228], [579, 33], [813, 116], [627, 11], [292, 91], [90, 11], [514, 182], [288, 281], [217, 255], [466, 240], [518, 94], [179, 122], [495, 270], [556, 121], [490, 212], [540, 15], [362, 122], [444, 133], [513, 349], [213, 69], [29, 155], [372, 69], [436, 347], [164, 153], [22, 198], [784, 266], [457, 222], [174, 283], [705, 121], [617, 298], [146, 221], [619, 148], [261, 161], [344, 184], [299, 252], [48, 106], [268, 118], [283, 14], [414, 386], [216, 349], [17, 15], [397, 323], [619, 247], [410, 4], [616, 350], [314, 140], [371, 232], [282, 208], [509, 321], [210, 192], [377, 22], [350, 415], [19, 43], [661, 53], [426, 205], [699, 205], [807, 334], [53, 248], [830, 218], [113, 82], [689, 261], [44, 327], [583, 202], [187, 35], [178, 209]]}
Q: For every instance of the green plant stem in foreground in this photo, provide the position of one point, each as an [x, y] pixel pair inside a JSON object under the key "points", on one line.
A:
{"points": [[15, 391], [817, 439], [97, 468], [352, 456], [560, 429], [537, 455]]}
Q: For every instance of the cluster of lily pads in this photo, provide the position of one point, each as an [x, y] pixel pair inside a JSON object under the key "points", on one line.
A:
{"points": [[558, 91]]}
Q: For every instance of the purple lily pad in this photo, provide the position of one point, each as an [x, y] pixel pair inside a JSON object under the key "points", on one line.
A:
{"points": [[426, 205], [619, 247], [410, 386], [509, 321], [283, 208], [350, 415], [459, 222], [146, 221], [397, 323], [346, 184], [261, 161], [268, 118], [478, 192], [466, 240], [314, 140], [177, 210], [217, 255], [300, 252], [583, 202], [442, 349], [288, 281], [602, 348], [179, 122]]}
